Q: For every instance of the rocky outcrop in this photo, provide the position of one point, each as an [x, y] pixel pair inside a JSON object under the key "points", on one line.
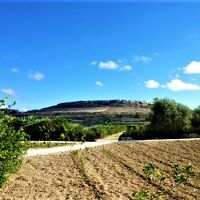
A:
{"points": [[97, 103]]}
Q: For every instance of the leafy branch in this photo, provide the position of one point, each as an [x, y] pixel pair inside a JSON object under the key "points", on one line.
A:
{"points": [[181, 174]]}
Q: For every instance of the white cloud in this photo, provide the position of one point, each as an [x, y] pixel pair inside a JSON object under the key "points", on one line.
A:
{"points": [[9, 91], [36, 76], [192, 68], [99, 83], [152, 84], [178, 85], [14, 69], [143, 59], [108, 65], [126, 68], [93, 63]]}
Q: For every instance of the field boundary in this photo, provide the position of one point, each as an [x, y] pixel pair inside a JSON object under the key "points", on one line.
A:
{"points": [[54, 150]]}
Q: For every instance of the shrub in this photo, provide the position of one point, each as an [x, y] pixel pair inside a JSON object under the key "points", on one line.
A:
{"points": [[195, 121], [136, 132], [89, 135], [46, 129], [169, 119], [12, 145]]}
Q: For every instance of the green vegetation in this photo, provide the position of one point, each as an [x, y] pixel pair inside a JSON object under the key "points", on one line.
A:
{"points": [[181, 175], [135, 131], [12, 144], [48, 144], [58, 128], [196, 120], [168, 119]]}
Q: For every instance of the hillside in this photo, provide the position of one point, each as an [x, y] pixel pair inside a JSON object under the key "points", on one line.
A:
{"points": [[97, 111]]}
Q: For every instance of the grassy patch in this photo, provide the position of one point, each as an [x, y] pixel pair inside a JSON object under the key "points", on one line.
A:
{"points": [[47, 144]]}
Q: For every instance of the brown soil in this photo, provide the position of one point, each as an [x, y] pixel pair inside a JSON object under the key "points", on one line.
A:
{"points": [[111, 172]]}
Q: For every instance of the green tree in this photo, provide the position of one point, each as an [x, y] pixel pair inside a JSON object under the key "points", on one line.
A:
{"points": [[196, 120], [12, 144], [169, 119]]}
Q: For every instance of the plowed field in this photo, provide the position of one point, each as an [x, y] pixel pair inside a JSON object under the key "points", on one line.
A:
{"points": [[109, 172]]}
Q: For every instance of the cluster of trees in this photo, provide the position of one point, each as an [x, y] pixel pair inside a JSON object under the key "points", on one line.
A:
{"points": [[58, 128], [168, 119]]}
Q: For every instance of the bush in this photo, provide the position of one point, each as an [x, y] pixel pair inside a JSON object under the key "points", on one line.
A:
{"points": [[12, 145], [102, 131], [58, 128], [135, 132], [195, 121], [46, 129], [169, 119]]}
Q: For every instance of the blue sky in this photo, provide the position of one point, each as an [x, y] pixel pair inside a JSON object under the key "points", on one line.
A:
{"points": [[57, 52]]}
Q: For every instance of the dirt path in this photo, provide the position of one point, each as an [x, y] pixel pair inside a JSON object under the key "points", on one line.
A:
{"points": [[53, 150], [114, 136]]}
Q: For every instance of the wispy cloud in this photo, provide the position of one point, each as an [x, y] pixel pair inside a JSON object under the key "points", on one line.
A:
{"points": [[152, 84], [14, 69], [176, 85], [99, 83], [118, 65], [192, 68], [38, 76], [143, 59], [126, 68], [9, 91], [108, 65]]}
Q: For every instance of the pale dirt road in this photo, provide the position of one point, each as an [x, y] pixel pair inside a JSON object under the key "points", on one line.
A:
{"points": [[53, 150]]}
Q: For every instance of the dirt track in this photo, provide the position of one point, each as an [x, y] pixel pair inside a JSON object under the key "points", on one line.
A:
{"points": [[108, 172]]}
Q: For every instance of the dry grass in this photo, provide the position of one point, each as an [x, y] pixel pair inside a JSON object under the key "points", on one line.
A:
{"points": [[111, 172]]}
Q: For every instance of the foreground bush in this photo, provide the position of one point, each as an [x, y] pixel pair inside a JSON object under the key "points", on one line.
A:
{"points": [[12, 145]]}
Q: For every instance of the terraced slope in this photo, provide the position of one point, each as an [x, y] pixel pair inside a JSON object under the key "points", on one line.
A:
{"points": [[110, 172], [96, 112]]}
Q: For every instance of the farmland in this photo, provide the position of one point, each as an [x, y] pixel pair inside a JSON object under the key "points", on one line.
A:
{"points": [[109, 172]]}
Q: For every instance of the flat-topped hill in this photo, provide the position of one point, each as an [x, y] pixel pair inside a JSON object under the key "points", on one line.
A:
{"points": [[97, 111], [98, 103]]}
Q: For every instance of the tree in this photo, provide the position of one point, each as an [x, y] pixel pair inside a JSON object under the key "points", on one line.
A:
{"points": [[169, 119], [196, 120], [12, 144]]}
